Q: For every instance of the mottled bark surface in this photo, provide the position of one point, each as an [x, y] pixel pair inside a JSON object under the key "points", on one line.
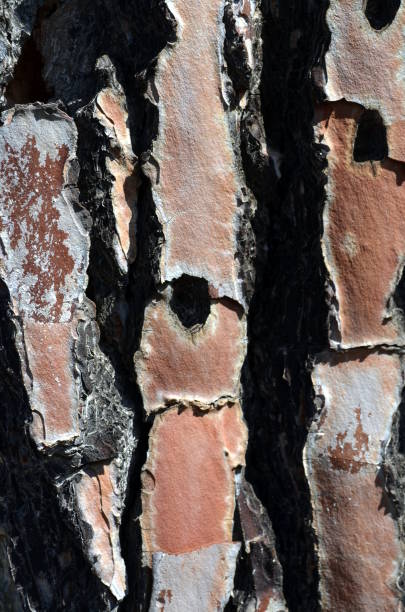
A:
{"points": [[202, 245]]}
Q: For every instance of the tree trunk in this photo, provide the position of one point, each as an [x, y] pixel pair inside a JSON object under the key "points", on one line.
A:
{"points": [[202, 328]]}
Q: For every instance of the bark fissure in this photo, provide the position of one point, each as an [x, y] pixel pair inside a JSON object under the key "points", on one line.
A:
{"points": [[287, 320]]}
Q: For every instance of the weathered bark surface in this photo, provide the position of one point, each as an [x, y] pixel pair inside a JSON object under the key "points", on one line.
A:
{"points": [[202, 305]]}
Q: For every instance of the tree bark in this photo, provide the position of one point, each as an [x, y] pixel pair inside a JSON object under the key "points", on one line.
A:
{"points": [[201, 305]]}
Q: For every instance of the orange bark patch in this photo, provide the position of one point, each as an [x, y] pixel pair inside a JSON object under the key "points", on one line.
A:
{"points": [[196, 187], [396, 140], [44, 261], [112, 113], [49, 351], [358, 543], [364, 230], [175, 364], [96, 501], [124, 197], [364, 65], [190, 466], [112, 106]]}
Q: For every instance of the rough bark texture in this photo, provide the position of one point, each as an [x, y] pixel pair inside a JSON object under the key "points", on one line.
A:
{"points": [[202, 307]]}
